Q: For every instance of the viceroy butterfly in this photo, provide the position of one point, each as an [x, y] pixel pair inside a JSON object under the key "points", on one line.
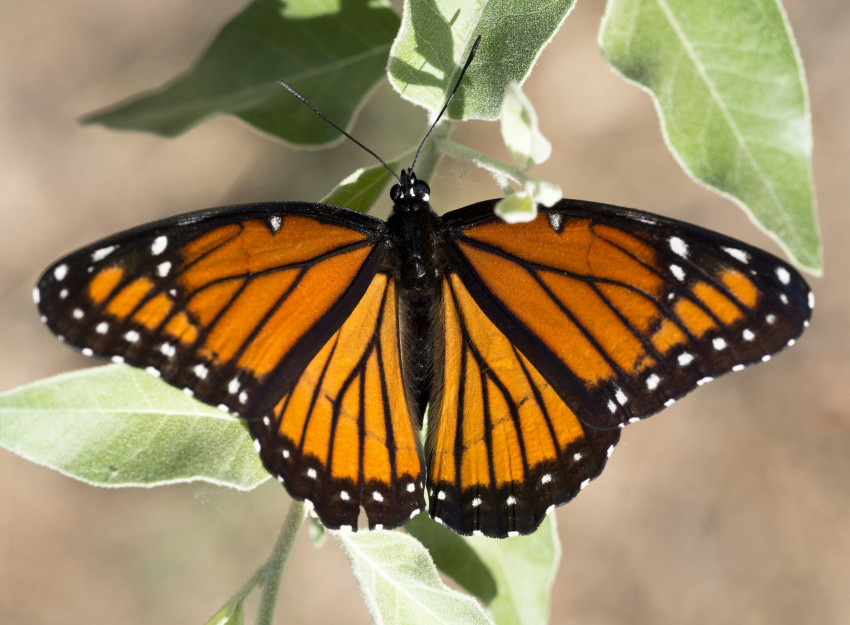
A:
{"points": [[330, 332]]}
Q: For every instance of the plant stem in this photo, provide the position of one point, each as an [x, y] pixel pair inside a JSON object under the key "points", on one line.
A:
{"points": [[272, 570], [502, 172]]}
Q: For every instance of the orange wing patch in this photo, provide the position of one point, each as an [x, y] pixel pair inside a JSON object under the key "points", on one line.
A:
{"points": [[344, 436], [623, 312], [214, 305], [504, 447]]}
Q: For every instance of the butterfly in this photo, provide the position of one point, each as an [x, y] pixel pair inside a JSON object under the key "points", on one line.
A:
{"points": [[330, 332]]}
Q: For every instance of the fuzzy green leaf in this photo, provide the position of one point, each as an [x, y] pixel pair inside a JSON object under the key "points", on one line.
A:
{"points": [[231, 614], [333, 52], [360, 190], [730, 90], [437, 35], [119, 426], [520, 132], [400, 583], [512, 576]]}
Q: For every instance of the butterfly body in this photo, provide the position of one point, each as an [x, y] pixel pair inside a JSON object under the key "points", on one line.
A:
{"points": [[330, 332]]}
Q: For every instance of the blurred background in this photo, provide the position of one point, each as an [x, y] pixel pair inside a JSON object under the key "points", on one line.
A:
{"points": [[733, 506]]}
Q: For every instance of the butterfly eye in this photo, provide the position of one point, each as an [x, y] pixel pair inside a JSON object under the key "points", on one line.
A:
{"points": [[421, 190], [395, 193]]}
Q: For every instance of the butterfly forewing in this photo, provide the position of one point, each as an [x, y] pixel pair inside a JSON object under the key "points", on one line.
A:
{"points": [[621, 311], [218, 303]]}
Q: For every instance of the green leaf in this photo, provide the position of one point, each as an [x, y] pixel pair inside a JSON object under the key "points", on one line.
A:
{"points": [[520, 132], [729, 87], [436, 37], [119, 426], [333, 52], [360, 190], [400, 583], [230, 614], [512, 576], [318, 533], [516, 208]]}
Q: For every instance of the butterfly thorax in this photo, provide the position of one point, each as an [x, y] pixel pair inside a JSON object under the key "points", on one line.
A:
{"points": [[414, 263]]}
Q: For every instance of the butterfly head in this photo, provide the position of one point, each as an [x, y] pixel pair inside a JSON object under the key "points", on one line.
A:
{"points": [[409, 189]]}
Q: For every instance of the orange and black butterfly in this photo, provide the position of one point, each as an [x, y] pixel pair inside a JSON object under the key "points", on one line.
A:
{"points": [[330, 332]]}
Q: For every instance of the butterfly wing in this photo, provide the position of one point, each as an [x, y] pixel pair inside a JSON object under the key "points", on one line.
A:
{"points": [[615, 312], [233, 305]]}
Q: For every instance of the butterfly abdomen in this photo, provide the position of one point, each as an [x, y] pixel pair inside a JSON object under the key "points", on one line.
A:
{"points": [[415, 264]]}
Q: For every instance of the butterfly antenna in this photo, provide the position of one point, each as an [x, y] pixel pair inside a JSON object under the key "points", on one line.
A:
{"points": [[449, 99], [292, 90]]}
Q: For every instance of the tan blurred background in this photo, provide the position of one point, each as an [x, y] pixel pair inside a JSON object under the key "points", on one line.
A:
{"points": [[731, 507]]}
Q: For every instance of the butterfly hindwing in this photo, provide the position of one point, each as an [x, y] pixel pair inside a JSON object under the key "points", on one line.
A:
{"points": [[504, 448], [221, 303], [623, 312], [344, 437]]}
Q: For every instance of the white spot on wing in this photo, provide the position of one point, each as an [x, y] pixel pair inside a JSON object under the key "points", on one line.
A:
{"points": [[704, 380], [546, 479], [189, 391], [679, 247], [783, 275], [343, 494], [275, 223], [311, 473], [60, 272], [511, 500], [233, 386], [556, 220], [441, 495], [577, 456], [737, 254], [476, 502], [63, 294], [685, 359], [162, 269], [285, 453], [738, 368], [783, 298], [243, 397], [748, 334], [771, 319], [200, 371], [257, 445], [153, 371], [266, 421], [652, 382], [36, 295], [87, 352], [117, 359], [811, 299], [159, 244], [513, 533], [719, 343], [131, 336], [377, 496], [167, 349], [678, 272], [78, 313], [669, 402], [621, 397], [584, 484], [411, 487], [102, 253], [791, 342]]}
